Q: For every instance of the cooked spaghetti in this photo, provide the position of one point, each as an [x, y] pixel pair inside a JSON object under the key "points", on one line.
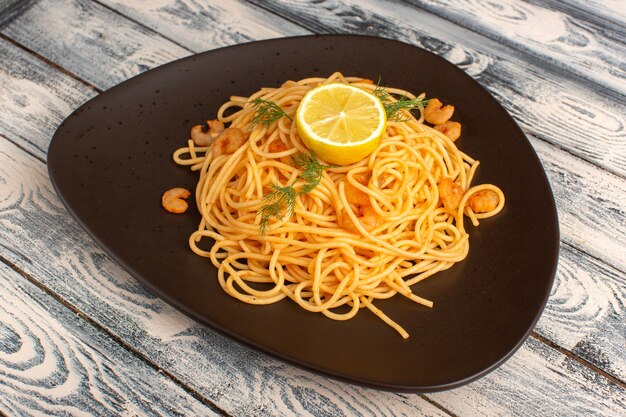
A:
{"points": [[367, 231]]}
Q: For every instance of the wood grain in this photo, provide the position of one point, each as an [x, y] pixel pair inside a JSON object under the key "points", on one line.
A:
{"points": [[54, 363], [587, 231], [547, 105], [201, 26], [591, 224], [557, 380], [557, 110], [590, 203], [553, 37], [576, 183], [609, 13], [586, 311], [34, 99], [102, 46], [238, 378], [38, 235], [11, 8]]}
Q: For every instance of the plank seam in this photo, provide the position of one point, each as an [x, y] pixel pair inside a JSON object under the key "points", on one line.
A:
{"points": [[23, 148], [287, 18], [436, 404], [578, 359], [149, 29], [191, 391], [595, 258], [194, 393], [49, 62], [284, 17], [559, 146], [602, 90], [536, 60], [537, 336]]}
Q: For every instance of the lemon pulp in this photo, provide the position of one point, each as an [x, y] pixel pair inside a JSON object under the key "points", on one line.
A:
{"points": [[340, 123]]}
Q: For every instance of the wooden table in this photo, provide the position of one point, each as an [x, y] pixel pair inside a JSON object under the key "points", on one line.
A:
{"points": [[78, 336]]}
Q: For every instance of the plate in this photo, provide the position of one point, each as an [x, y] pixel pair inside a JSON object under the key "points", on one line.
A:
{"points": [[110, 162]]}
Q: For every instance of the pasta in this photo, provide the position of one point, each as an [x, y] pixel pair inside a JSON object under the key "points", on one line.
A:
{"points": [[368, 231]]}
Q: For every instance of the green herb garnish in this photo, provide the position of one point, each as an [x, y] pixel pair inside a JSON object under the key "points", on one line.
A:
{"points": [[267, 112], [280, 198], [281, 201], [393, 105]]}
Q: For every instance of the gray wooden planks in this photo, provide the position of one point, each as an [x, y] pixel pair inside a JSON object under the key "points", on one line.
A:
{"points": [[609, 13], [237, 379], [590, 204], [314, 397], [201, 26], [54, 363], [35, 98], [75, 268], [566, 42], [241, 380], [586, 311], [576, 185], [544, 104], [11, 8], [591, 236], [547, 105], [122, 48], [557, 391]]}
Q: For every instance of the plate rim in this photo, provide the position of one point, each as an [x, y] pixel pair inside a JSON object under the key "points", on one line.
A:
{"points": [[283, 357]]}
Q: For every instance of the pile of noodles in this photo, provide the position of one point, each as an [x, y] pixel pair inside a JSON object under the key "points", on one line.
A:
{"points": [[330, 256]]}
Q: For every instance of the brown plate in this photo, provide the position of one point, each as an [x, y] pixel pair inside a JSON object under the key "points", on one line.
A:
{"points": [[110, 162]]}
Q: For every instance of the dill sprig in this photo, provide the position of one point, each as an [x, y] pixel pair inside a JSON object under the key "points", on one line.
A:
{"points": [[312, 171], [394, 106], [267, 112], [281, 201], [276, 200]]}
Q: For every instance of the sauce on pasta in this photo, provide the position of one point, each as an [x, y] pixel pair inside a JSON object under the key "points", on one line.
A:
{"points": [[368, 231]]}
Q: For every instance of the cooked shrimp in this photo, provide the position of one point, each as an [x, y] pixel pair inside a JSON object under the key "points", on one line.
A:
{"points": [[366, 215], [204, 135], [228, 141], [174, 200], [435, 114], [278, 146], [450, 193], [483, 201], [356, 196], [450, 129]]}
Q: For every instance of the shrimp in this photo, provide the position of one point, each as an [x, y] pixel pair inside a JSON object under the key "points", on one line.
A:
{"points": [[450, 193], [174, 200], [483, 201], [204, 135], [435, 114], [228, 141], [278, 146], [366, 215], [356, 196], [450, 129]]}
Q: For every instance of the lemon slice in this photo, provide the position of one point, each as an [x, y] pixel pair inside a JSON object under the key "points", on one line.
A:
{"points": [[340, 123]]}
